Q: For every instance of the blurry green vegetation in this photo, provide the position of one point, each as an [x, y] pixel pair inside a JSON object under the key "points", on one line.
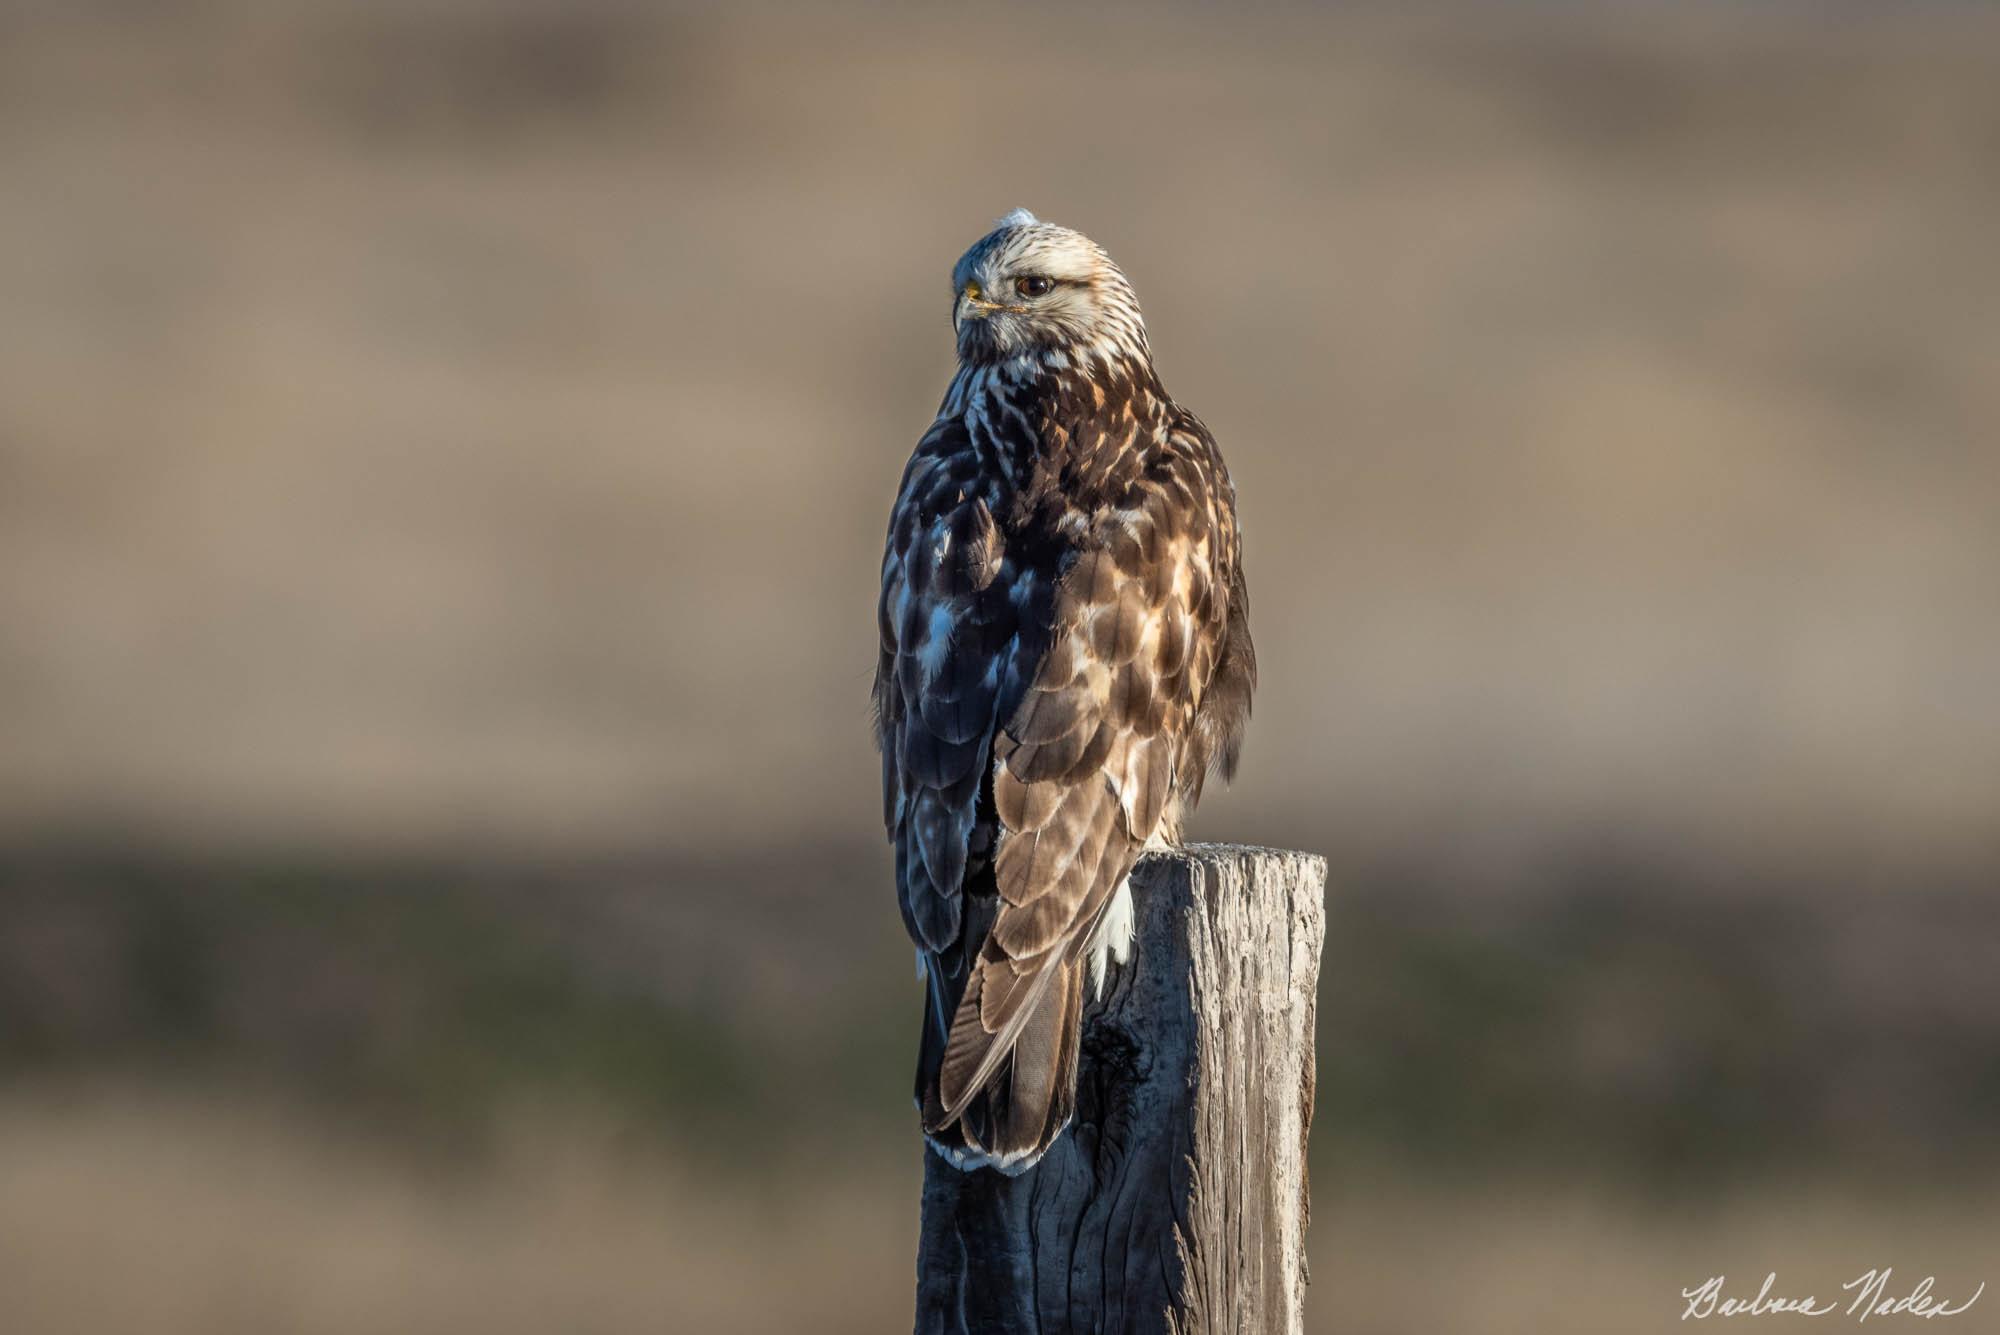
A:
{"points": [[1606, 1029], [421, 995], [1668, 1039]]}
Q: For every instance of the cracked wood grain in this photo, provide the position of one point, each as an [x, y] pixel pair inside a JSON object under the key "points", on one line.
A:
{"points": [[1177, 1201]]}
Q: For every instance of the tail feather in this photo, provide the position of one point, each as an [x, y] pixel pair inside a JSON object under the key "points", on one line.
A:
{"points": [[996, 1075], [1010, 1119], [946, 974], [1042, 1106]]}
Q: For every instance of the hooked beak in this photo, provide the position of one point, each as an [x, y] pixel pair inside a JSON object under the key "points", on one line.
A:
{"points": [[972, 303]]}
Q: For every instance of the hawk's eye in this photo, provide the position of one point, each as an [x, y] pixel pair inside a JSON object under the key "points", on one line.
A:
{"points": [[1033, 287]]}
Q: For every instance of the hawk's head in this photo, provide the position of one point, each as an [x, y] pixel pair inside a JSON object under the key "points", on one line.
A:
{"points": [[1029, 286]]}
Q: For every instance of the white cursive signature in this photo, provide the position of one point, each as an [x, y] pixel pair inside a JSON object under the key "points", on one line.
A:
{"points": [[1870, 1290]]}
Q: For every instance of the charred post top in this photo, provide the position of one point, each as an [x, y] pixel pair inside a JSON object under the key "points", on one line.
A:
{"points": [[1177, 1200]]}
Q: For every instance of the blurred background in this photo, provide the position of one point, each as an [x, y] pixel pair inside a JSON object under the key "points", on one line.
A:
{"points": [[444, 456]]}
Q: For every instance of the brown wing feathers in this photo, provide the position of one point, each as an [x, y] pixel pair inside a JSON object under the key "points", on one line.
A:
{"points": [[1081, 778], [1038, 702]]}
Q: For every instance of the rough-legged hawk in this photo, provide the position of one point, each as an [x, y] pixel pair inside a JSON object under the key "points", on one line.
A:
{"points": [[1065, 656]]}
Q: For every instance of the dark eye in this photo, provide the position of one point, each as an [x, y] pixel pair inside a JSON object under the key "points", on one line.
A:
{"points": [[1033, 287]]}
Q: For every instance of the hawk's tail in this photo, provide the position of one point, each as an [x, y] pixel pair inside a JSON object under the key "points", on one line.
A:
{"points": [[1019, 1110]]}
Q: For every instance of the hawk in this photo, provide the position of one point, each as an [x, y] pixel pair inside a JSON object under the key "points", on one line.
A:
{"points": [[1065, 656]]}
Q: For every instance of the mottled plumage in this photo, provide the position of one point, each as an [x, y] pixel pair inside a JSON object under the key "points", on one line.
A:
{"points": [[1065, 655]]}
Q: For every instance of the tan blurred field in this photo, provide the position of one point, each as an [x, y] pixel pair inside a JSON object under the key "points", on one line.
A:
{"points": [[451, 435], [181, 1219], [439, 423]]}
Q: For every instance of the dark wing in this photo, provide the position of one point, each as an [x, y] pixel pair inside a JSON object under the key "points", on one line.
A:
{"points": [[950, 615], [1089, 760]]}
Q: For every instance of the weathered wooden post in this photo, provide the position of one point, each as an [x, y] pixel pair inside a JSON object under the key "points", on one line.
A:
{"points": [[1177, 1201]]}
